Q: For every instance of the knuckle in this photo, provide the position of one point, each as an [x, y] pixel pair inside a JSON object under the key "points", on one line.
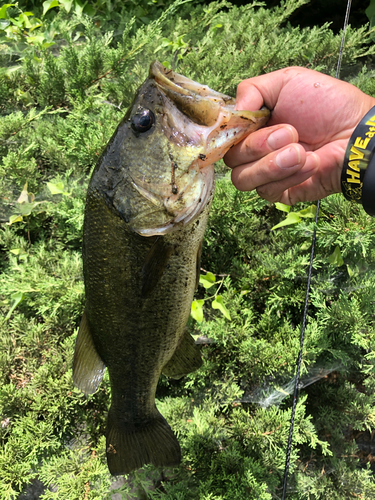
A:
{"points": [[265, 194], [256, 143]]}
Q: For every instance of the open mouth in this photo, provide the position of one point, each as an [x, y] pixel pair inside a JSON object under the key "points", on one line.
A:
{"points": [[201, 125], [214, 123], [198, 101]]}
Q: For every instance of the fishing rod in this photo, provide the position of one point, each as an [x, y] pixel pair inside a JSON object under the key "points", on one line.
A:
{"points": [[302, 337]]}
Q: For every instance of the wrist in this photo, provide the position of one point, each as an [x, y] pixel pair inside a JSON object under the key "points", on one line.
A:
{"points": [[358, 173]]}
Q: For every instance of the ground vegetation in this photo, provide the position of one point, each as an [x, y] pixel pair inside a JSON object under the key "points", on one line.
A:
{"points": [[68, 72]]}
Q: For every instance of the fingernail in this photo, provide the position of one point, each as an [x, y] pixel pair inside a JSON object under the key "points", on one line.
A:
{"points": [[280, 138], [288, 158]]}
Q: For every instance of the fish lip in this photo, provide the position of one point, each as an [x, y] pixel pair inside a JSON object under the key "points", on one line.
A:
{"points": [[199, 102], [169, 79]]}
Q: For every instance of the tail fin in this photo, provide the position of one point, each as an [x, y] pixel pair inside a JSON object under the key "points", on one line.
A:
{"points": [[129, 447]]}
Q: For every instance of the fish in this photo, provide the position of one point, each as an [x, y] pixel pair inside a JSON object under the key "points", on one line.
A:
{"points": [[146, 211]]}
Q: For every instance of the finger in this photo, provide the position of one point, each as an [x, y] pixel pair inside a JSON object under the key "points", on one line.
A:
{"points": [[274, 167], [327, 179], [260, 143], [319, 183], [283, 190], [264, 89]]}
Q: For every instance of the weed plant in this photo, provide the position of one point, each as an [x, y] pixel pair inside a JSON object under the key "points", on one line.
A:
{"points": [[66, 79]]}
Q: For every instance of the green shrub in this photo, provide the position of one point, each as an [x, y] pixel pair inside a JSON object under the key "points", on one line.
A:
{"points": [[64, 86]]}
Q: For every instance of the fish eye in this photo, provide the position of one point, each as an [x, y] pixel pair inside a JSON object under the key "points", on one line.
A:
{"points": [[143, 120]]}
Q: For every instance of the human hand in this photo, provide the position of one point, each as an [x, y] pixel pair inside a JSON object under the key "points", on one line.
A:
{"points": [[299, 155]]}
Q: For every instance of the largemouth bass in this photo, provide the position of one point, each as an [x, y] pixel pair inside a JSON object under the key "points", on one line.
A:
{"points": [[146, 212]]}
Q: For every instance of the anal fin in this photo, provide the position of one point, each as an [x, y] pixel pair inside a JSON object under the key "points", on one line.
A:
{"points": [[88, 367], [186, 358]]}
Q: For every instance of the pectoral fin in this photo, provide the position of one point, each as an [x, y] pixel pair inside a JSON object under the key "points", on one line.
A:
{"points": [[186, 359], [88, 368], [155, 264]]}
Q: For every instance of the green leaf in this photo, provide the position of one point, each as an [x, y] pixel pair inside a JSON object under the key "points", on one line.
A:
{"points": [[208, 280], [17, 298], [49, 4], [3, 10], [26, 208], [35, 23], [352, 271], [45, 45], [78, 7], [219, 304], [292, 218], [14, 218], [89, 10], [11, 69], [210, 277], [4, 23], [56, 187], [165, 43], [308, 212], [282, 207], [370, 13], [25, 20], [67, 4], [38, 39], [335, 258], [197, 310], [16, 22]]}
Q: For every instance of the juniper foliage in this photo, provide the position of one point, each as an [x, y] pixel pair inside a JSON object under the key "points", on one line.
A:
{"points": [[61, 97]]}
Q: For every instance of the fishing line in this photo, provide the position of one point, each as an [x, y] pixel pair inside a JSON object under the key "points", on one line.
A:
{"points": [[299, 360]]}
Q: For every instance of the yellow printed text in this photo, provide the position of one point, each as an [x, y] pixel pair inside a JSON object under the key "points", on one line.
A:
{"points": [[357, 155], [362, 144], [354, 165], [353, 177], [371, 121]]}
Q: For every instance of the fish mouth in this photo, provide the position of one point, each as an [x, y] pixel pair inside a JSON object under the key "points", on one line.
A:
{"points": [[206, 107], [201, 125], [195, 100]]}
